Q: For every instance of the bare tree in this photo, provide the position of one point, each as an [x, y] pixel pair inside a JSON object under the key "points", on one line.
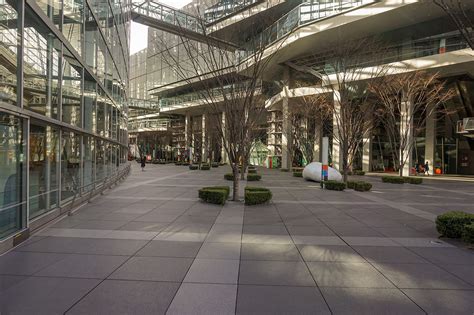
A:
{"points": [[406, 100], [461, 15], [228, 82], [343, 72]]}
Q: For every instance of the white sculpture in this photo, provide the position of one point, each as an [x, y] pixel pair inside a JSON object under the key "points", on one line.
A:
{"points": [[312, 171]]}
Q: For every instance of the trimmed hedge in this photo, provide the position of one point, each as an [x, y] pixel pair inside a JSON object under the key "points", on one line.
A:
{"points": [[468, 233], [284, 170], [334, 185], [359, 172], [253, 177], [252, 171], [215, 164], [229, 176], [297, 169], [298, 174], [413, 180], [205, 167], [452, 224], [193, 167], [359, 185], [257, 195], [393, 179], [178, 163], [216, 194]]}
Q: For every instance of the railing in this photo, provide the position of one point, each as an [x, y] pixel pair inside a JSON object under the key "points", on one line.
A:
{"points": [[169, 15], [303, 14], [149, 124], [198, 98], [143, 104], [224, 8]]}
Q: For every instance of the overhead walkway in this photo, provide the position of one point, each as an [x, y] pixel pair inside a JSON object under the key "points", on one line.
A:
{"points": [[168, 19]]}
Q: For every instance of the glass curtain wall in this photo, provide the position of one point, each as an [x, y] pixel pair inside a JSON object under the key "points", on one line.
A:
{"points": [[64, 67]]}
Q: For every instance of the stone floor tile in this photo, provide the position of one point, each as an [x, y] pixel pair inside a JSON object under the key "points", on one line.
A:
{"points": [[275, 273], [219, 251], [181, 237], [127, 297], [342, 253], [7, 281], [205, 299], [369, 241], [383, 254], [266, 239], [316, 230], [465, 272], [420, 242], [25, 263], [442, 302], [83, 266], [421, 276], [317, 240], [254, 299], [369, 301], [446, 255], [350, 275], [100, 225], [42, 295], [213, 271], [143, 226], [153, 269], [281, 252], [170, 249]]}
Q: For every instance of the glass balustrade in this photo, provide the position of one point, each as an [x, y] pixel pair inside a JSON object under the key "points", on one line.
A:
{"points": [[225, 8]]}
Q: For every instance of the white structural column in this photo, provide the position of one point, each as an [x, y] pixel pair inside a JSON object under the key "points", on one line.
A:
{"points": [[318, 135], [224, 132], [205, 146], [406, 128], [285, 136], [336, 147], [367, 152], [430, 138], [188, 136]]}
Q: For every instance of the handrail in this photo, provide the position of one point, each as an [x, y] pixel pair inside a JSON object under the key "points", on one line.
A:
{"points": [[221, 9]]}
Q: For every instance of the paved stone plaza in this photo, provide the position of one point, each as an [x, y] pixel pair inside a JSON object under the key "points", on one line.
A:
{"points": [[149, 246]]}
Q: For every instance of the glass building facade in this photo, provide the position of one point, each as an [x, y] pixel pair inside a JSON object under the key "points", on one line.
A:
{"points": [[63, 103]]}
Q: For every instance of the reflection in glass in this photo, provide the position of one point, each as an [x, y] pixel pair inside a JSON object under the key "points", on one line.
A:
{"points": [[71, 90], [44, 157], [73, 12], [11, 174], [88, 163], [41, 67], [8, 53], [70, 165]]}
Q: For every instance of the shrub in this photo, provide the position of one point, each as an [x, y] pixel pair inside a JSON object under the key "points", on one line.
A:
{"points": [[205, 167], [252, 171], [162, 162], [185, 163], [413, 180], [393, 179], [451, 224], [284, 170], [468, 233], [362, 186], [193, 167], [358, 172], [298, 174], [253, 177], [215, 164], [216, 195], [178, 163], [335, 185], [229, 176], [257, 195]]}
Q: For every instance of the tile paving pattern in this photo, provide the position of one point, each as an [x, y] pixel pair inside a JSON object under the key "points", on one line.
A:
{"points": [[149, 246]]}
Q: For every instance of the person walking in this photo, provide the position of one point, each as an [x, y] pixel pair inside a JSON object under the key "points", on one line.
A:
{"points": [[427, 168], [143, 164]]}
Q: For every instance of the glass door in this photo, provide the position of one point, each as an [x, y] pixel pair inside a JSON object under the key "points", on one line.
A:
{"points": [[12, 174]]}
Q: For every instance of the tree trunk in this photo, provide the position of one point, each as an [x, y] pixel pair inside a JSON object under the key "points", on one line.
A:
{"points": [[400, 171], [235, 191], [244, 168]]}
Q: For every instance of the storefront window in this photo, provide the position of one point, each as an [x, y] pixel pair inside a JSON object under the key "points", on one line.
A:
{"points": [[71, 89], [44, 158], [88, 163], [9, 39], [12, 174], [70, 165]]}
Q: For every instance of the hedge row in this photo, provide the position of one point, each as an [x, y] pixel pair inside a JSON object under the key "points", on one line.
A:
{"points": [[229, 176], [298, 174], [334, 185], [257, 195], [456, 224], [402, 180], [215, 164], [215, 194], [253, 177], [205, 167], [358, 172], [252, 171], [193, 167], [359, 185]]}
